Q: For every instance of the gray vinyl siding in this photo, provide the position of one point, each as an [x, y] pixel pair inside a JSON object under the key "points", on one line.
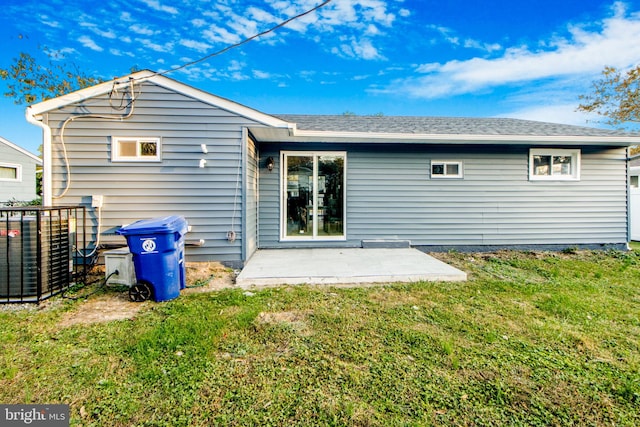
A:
{"points": [[251, 199], [25, 188], [390, 195], [210, 198]]}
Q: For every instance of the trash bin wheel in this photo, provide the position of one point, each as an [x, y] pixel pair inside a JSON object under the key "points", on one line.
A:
{"points": [[140, 292]]}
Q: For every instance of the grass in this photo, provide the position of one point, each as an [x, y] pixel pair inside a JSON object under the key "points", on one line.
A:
{"points": [[530, 339]]}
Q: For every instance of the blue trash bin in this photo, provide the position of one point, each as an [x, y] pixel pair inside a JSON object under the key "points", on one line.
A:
{"points": [[157, 246]]}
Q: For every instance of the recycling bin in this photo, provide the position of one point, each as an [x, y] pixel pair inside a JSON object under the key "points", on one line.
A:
{"points": [[157, 246]]}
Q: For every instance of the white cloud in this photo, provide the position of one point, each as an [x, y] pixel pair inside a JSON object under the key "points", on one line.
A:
{"points": [[375, 11], [450, 36], [46, 20], [307, 75], [199, 73], [118, 52], [238, 76], [243, 26], [60, 54], [87, 42], [155, 5], [583, 52], [352, 17], [404, 13], [554, 113], [195, 45], [262, 16], [261, 74], [236, 65], [220, 35], [142, 30], [372, 30], [198, 23], [94, 28], [487, 47], [361, 49], [148, 44]]}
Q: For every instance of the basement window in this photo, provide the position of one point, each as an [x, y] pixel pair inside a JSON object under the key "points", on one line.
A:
{"points": [[441, 169], [10, 172], [130, 149], [554, 165]]}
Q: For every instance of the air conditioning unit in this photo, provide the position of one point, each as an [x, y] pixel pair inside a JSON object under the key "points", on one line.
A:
{"points": [[34, 265]]}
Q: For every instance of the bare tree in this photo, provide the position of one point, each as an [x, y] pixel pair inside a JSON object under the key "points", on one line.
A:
{"points": [[30, 81]]}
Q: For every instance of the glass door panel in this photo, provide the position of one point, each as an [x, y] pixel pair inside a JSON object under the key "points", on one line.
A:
{"points": [[299, 195], [313, 195], [330, 207]]}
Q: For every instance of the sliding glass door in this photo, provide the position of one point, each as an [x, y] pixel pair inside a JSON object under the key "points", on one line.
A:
{"points": [[313, 195]]}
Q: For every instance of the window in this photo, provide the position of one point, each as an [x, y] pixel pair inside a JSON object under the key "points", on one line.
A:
{"points": [[554, 165], [125, 149], [10, 172], [633, 181], [446, 169]]}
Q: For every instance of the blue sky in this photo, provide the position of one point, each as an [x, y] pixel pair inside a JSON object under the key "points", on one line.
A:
{"points": [[501, 58]]}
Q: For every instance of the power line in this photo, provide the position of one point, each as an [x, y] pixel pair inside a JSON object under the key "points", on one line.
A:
{"points": [[247, 40]]}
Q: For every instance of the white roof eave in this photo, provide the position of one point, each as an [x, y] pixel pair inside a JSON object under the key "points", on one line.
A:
{"points": [[298, 135], [32, 156], [149, 76]]}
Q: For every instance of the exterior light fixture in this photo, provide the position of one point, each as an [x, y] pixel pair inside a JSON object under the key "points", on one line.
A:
{"points": [[270, 163]]}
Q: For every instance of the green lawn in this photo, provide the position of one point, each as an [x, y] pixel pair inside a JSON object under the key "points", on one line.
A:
{"points": [[531, 339]]}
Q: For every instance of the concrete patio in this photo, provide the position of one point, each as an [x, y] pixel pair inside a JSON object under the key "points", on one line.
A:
{"points": [[343, 266]]}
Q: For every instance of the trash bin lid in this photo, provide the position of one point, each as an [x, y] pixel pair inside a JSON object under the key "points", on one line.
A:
{"points": [[165, 224]]}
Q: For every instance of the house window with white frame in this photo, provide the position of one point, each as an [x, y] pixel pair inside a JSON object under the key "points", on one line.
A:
{"points": [[10, 172], [552, 164], [441, 169], [130, 149]]}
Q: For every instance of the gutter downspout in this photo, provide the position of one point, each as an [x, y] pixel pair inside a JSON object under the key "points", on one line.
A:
{"points": [[627, 163], [46, 156]]}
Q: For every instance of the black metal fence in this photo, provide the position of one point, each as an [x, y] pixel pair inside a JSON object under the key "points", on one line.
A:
{"points": [[40, 251]]}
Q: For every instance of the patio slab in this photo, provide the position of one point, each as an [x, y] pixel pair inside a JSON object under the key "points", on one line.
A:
{"points": [[274, 267]]}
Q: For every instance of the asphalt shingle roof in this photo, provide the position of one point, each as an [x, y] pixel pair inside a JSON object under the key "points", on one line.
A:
{"points": [[440, 125]]}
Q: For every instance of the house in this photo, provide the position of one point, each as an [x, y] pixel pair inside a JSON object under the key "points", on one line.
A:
{"points": [[634, 197], [146, 145], [17, 173]]}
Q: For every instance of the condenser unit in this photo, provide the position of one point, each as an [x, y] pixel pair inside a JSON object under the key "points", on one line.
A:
{"points": [[36, 259]]}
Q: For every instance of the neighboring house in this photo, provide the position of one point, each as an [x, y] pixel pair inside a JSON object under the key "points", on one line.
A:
{"points": [[17, 173], [634, 197], [247, 180]]}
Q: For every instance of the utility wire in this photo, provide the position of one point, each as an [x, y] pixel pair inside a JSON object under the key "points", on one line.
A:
{"points": [[247, 40]]}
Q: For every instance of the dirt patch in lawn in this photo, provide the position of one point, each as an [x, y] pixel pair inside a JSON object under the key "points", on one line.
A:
{"points": [[296, 320], [103, 308], [201, 277], [208, 276]]}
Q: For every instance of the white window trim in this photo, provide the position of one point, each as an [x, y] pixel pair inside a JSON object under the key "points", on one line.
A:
{"points": [[444, 163], [116, 157], [18, 169], [575, 164], [283, 197]]}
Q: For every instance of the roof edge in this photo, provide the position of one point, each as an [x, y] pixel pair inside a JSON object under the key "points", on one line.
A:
{"points": [[618, 140], [22, 150], [160, 80]]}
